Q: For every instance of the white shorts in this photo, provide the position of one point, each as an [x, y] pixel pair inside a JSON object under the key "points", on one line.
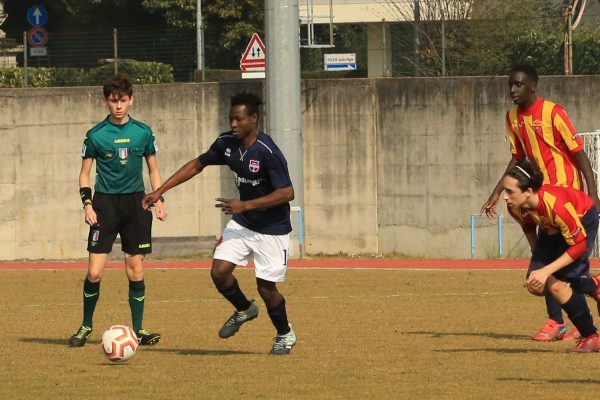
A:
{"points": [[270, 252]]}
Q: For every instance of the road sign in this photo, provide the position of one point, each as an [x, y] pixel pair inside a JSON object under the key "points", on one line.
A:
{"points": [[340, 62], [37, 15], [37, 36], [38, 51], [254, 56]]}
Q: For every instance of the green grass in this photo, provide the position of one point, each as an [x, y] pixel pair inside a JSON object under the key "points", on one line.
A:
{"points": [[362, 334]]}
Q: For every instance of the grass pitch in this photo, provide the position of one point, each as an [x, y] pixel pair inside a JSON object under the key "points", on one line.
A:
{"points": [[362, 334]]}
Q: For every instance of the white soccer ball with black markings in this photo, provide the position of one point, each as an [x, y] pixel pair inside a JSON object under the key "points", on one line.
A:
{"points": [[119, 343]]}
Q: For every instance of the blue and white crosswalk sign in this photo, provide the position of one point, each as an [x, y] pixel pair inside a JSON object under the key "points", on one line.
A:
{"points": [[37, 15], [340, 62]]}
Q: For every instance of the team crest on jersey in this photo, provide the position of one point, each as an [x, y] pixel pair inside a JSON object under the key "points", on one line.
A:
{"points": [[123, 153], [537, 125], [254, 166]]}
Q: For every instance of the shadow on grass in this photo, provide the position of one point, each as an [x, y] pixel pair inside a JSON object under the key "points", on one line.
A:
{"points": [[185, 352], [553, 381], [500, 350], [57, 342], [199, 352], [491, 335]]}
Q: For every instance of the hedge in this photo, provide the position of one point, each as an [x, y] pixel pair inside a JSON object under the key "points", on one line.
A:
{"points": [[139, 73]]}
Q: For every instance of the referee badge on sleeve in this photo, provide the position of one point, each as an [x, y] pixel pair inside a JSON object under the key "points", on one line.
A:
{"points": [[83, 149]]}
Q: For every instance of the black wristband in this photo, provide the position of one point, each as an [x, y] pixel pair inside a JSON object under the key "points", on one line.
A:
{"points": [[85, 193]]}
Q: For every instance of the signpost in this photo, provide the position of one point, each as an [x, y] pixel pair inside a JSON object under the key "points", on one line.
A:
{"points": [[37, 16], [253, 61], [340, 62], [37, 36]]}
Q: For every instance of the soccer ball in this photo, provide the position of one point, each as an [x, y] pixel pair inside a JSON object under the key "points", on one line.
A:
{"points": [[119, 343]]}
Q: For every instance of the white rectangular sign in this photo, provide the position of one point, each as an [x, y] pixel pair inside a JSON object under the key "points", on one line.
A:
{"points": [[340, 62], [38, 51]]}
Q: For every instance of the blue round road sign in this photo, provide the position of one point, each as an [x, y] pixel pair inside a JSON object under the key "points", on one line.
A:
{"points": [[37, 36], [37, 15]]}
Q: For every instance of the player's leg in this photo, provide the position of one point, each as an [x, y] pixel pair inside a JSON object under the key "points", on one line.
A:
{"points": [[270, 261], [100, 240], [546, 252], [589, 285], [91, 294], [136, 239], [231, 250], [578, 312]]}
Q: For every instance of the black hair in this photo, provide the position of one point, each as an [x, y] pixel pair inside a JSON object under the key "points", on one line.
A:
{"points": [[527, 174], [118, 84], [250, 100], [528, 70]]}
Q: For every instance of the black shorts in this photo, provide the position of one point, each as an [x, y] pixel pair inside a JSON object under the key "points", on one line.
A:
{"points": [[550, 247], [121, 214]]}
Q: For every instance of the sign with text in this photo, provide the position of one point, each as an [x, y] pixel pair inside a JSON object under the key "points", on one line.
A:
{"points": [[38, 51], [340, 62]]}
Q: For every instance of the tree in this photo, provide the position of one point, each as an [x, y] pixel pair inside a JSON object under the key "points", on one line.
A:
{"points": [[475, 37], [83, 15]]}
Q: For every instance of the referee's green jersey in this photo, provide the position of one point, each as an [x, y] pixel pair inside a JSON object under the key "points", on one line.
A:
{"points": [[119, 151]]}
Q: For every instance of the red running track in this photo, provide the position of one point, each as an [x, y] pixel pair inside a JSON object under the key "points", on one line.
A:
{"points": [[312, 263], [508, 264]]}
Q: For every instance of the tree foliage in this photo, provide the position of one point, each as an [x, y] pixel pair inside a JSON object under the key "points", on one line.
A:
{"points": [[478, 37]]}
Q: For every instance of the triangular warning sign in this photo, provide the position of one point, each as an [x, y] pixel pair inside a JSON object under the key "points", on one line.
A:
{"points": [[254, 55]]}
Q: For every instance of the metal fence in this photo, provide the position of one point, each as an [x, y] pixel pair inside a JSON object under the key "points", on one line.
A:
{"points": [[429, 49]]}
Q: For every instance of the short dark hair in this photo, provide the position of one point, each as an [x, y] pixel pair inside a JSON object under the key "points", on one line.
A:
{"points": [[528, 70], [528, 175], [250, 100], [118, 84]]}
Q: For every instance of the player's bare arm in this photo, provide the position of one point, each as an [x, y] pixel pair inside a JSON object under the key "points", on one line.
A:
{"points": [[186, 172], [154, 173], [489, 207], [84, 182], [275, 198], [584, 165]]}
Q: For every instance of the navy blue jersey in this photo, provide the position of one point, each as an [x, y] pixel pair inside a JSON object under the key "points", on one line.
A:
{"points": [[257, 171]]}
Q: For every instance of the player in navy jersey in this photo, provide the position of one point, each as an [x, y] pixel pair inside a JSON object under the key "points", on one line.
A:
{"points": [[260, 225]]}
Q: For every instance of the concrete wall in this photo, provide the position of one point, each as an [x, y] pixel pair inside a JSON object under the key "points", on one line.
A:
{"points": [[390, 165]]}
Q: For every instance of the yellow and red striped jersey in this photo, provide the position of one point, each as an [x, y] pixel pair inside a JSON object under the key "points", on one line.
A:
{"points": [[543, 134], [560, 209]]}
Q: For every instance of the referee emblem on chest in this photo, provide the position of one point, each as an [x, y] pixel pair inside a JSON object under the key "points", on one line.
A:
{"points": [[254, 166], [123, 153]]}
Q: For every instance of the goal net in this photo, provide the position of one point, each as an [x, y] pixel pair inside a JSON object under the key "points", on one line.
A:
{"points": [[591, 145]]}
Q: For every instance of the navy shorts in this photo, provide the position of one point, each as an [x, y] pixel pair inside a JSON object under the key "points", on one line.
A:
{"points": [[121, 214], [550, 247]]}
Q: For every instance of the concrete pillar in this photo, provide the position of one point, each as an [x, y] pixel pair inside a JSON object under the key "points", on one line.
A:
{"points": [[379, 50], [283, 86]]}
